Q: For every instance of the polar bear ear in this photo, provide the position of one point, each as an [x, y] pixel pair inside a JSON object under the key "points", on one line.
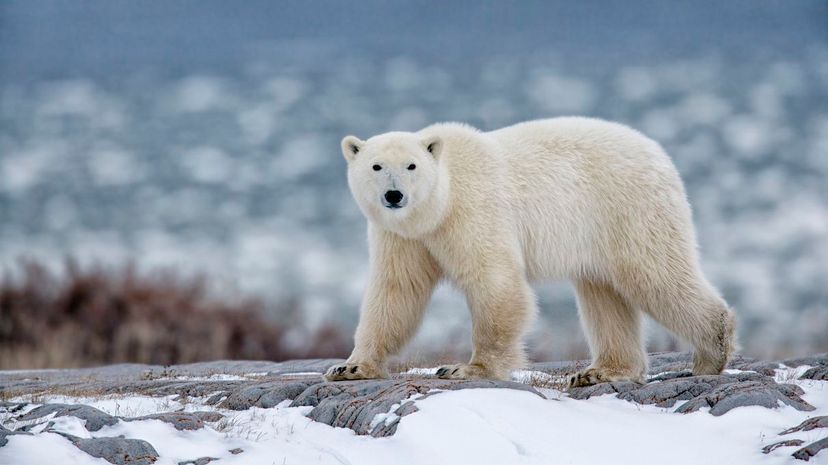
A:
{"points": [[350, 147], [433, 145]]}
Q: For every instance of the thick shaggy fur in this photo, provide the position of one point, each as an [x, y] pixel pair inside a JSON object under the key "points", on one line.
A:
{"points": [[581, 199]]}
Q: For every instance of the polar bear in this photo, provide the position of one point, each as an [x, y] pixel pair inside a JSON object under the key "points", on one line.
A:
{"points": [[582, 199]]}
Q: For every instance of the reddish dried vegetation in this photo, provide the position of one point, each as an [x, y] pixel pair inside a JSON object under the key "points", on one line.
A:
{"points": [[95, 315]]}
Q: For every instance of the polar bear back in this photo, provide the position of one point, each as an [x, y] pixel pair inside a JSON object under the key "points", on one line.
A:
{"points": [[581, 194]]}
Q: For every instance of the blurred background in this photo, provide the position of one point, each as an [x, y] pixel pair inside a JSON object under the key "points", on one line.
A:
{"points": [[171, 185]]}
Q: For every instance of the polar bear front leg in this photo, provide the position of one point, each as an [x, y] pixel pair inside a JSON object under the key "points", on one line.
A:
{"points": [[501, 304], [403, 276]]}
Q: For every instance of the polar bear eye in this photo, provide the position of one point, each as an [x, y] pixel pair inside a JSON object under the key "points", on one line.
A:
{"points": [[411, 167], [376, 167]]}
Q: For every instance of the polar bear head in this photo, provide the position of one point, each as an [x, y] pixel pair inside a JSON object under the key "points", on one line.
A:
{"points": [[395, 179]]}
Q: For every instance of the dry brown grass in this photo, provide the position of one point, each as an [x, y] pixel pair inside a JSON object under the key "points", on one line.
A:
{"points": [[93, 315]]}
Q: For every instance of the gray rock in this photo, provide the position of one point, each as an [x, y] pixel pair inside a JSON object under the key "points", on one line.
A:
{"points": [[683, 361], [601, 389], [670, 361], [94, 418], [182, 420], [236, 451], [153, 379], [559, 368], [721, 393], [726, 397], [119, 451], [789, 443], [811, 449], [266, 395], [12, 407], [816, 373], [663, 362], [354, 404], [809, 424], [812, 360]]}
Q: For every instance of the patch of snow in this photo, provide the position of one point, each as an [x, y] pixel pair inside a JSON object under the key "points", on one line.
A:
{"points": [[45, 448], [422, 371], [216, 377], [785, 375], [536, 378], [384, 418]]}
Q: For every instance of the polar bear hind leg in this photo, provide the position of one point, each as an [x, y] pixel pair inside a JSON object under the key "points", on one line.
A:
{"points": [[688, 306], [613, 329]]}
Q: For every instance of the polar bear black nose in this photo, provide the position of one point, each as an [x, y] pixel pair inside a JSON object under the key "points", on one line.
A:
{"points": [[393, 197]]}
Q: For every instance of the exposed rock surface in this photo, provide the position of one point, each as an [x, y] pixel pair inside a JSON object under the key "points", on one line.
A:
{"points": [[370, 407], [808, 425], [811, 449], [120, 451], [94, 418], [721, 393], [817, 373], [789, 443], [265, 395], [354, 404]]}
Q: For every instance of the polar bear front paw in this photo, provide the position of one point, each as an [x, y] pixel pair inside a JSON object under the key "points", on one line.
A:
{"points": [[462, 371], [349, 371]]}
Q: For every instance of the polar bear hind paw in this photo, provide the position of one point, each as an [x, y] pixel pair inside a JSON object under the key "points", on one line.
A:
{"points": [[592, 376], [351, 371]]}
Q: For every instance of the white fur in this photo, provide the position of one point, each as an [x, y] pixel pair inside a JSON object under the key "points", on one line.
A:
{"points": [[582, 199]]}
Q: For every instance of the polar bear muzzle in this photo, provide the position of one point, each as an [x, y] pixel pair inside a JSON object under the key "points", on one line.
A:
{"points": [[394, 199]]}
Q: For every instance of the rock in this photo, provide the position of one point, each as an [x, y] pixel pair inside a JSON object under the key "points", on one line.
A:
{"points": [[721, 393], [662, 363], [198, 461], [119, 451], [670, 361], [748, 364], [777, 445], [559, 368], [265, 395], [182, 420], [236, 451], [726, 397], [156, 380], [217, 397], [811, 449], [809, 424], [816, 373], [94, 418], [811, 360], [601, 389], [355, 404], [12, 407]]}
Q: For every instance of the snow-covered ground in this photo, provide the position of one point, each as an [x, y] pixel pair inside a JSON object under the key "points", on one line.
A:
{"points": [[476, 426]]}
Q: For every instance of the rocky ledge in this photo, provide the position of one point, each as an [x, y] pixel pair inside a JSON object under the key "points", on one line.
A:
{"points": [[240, 385]]}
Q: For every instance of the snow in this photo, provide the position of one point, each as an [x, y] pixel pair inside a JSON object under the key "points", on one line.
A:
{"points": [[480, 426]]}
